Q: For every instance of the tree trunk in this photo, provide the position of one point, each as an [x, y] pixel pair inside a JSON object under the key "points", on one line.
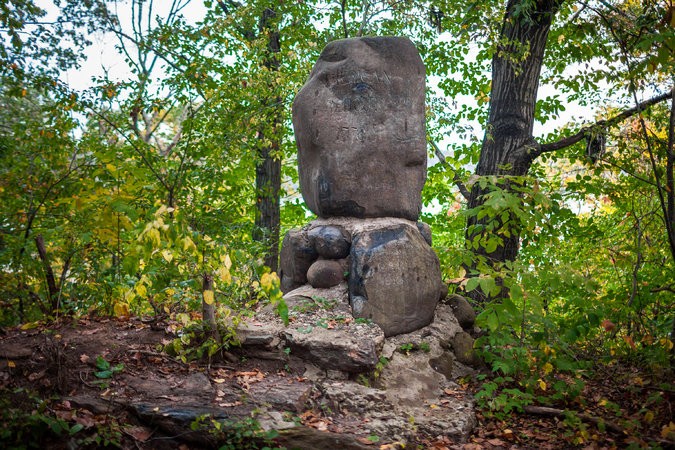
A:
{"points": [[268, 165], [508, 145], [49, 273]]}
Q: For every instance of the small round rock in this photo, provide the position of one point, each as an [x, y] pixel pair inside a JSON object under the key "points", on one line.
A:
{"points": [[462, 310], [325, 273]]}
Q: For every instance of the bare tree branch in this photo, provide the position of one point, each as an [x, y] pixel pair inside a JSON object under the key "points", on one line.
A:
{"points": [[455, 178], [581, 134], [554, 412]]}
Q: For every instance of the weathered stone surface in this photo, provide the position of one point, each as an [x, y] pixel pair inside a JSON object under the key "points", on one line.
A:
{"points": [[462, 344], [425, 231], [443, 364], [408, 383], [360, 130], [330, 241], [290, 395], [252, 333], [395, 278], [307, 299], [338, 349], [420, 373], [325, 273], [306, 438], [466, 316], [297, 255]]}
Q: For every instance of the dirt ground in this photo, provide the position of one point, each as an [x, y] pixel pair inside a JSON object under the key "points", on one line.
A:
{"points": [[97, 382]]}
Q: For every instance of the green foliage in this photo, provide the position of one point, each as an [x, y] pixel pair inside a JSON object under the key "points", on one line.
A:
{"points": [[142, 186], [192, 345], [411, 347], [27, 421], [564, 314], [105, 369]]}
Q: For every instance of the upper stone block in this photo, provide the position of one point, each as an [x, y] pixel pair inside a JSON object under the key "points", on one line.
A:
{"points": [[360, 131]]}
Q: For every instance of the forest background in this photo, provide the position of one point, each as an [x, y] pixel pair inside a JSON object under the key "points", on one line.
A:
{"points": [[164, 191]]}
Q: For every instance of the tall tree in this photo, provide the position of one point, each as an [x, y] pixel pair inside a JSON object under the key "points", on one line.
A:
{"points": [[509, 147], [268, 164]]}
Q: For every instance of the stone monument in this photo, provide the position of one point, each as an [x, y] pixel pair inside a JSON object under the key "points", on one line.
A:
{"points": [[360, 131]]}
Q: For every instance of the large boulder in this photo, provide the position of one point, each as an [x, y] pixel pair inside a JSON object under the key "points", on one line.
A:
{"points": [[395, 278], [360, 131]]}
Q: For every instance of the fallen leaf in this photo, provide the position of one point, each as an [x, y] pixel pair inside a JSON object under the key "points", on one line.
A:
{"points": [[84, 358], [319, 425], [219, 380], [608, 325], [90, 332], [36, 376], [64, 415], [472, 446], [86, 420], [630, 342], [139, 433]]}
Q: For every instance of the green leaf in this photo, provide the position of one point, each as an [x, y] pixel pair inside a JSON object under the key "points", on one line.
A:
{"points": [[104, 374], [471, 284], [101, 363]]}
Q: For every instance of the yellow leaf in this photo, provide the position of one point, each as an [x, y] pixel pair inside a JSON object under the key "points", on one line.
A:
{"points": [[167, 255], [141, 290], [188, 244], [121, 309], [649, 417], [561, 38], [548, 368], [11, 364], [542, 385], [30, 325], [228, 262], [183, 318], [266, 281], [224, 274], [668, 431], [153, 236], [209, 298]]}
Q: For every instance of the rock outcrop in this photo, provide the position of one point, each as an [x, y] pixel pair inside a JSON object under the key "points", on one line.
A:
{"points": [[397, 387]]}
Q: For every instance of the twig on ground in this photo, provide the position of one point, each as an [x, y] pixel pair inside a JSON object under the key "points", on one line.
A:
{"points": [[555, 412]]}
